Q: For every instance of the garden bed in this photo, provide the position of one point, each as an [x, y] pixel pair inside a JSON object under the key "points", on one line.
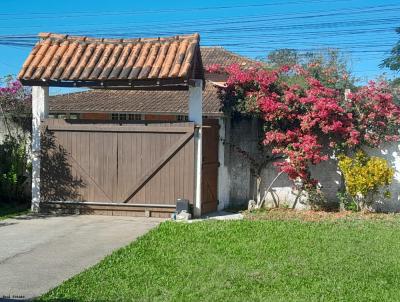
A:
{"points": [[310, 215]]}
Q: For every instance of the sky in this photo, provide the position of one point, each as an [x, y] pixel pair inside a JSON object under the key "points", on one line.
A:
{"points": [[363, 30]]}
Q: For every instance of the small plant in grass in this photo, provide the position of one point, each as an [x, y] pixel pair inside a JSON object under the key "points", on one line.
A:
{"points": [[365, 178], [346, 201]]}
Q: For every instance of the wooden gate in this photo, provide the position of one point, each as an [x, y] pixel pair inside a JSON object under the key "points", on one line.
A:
{"points": [[210, 164], [117, 168]]}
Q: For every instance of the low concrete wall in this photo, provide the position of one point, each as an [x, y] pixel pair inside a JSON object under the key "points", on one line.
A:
{"points": [[244, 133]]}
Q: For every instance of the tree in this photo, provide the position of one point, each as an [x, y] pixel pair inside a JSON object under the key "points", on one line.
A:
{"points": [[328, 65], [393, 61], [283, 57]]}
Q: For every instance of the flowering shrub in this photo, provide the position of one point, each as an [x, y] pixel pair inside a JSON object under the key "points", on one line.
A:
{"points": [[14, 167], [13, 95], [305, 120], [15, 102], [364, 177], [374, 114]]}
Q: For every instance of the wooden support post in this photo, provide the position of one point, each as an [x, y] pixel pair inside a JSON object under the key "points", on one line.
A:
{"points": [[196, 116], [40, 96]]}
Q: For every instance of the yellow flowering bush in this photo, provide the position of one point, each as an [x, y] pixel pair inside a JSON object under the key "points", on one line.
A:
{"points": [[365, 177]]}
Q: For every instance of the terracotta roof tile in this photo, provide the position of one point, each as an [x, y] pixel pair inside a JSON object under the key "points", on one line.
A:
{"points": [[71, 58]]}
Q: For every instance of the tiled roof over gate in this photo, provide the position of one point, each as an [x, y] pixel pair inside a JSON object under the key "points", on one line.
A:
{"points": [[61, 58]]}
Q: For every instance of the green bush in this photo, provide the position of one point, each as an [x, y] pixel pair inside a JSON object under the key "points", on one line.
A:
{"points": [[365, 178], [14, 168]]}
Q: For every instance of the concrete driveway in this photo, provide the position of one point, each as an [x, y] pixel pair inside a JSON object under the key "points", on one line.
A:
{"points": [[38, 253]]}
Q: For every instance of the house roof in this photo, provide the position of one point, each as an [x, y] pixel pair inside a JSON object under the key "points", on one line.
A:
{"points": [[224, 57], [63, 60], [135, 101], [173, 102]]}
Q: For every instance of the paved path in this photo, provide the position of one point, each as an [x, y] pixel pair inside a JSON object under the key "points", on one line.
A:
{"points": [[38, 253]]}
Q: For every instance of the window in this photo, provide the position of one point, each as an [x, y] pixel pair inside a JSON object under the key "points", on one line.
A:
{"points": [[182, 118], [125, 117], [135, 117], [74, 116], [58, 115]]}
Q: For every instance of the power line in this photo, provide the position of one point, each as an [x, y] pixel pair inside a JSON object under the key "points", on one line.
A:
{"points": [[174, 10], [247, 19], [364, 31]]}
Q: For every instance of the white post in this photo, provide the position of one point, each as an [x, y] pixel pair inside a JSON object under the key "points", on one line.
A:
{"points": [[40, 96], [223, 177], [196, 116]]}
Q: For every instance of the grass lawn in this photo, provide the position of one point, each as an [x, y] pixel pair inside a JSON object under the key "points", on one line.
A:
{"points": [[264, 260], [9, 210]]}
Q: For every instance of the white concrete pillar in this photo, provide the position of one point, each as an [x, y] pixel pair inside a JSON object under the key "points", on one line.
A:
{"points": [[196, 116], [40, 110], [223, 176]]}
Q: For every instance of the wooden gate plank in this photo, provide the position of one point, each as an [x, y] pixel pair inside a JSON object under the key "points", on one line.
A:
{"points": [[82, 171], [160, 163]]}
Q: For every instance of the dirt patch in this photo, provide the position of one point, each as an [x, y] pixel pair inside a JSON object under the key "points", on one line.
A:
{"points": [[309, 215]]}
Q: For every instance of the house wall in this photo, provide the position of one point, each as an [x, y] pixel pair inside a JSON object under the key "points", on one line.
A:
{"points": [[95, 116], [108, 116], [158, 117], [245, 134]]}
